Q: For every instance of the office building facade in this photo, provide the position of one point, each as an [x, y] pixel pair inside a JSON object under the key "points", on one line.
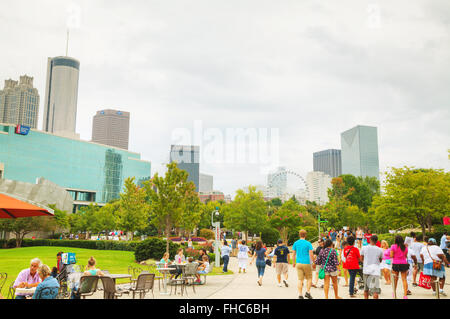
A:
{"points": [[187, 158], [61, 95], [90, 172], [19, 102], [328, 161], [359, 151], [318, 184], [111, 127], [206, 183]]}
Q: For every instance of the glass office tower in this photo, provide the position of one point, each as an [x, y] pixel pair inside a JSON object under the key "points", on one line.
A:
{"points": [[89, 171], [187, 158], [328, 161], [359, 151]]}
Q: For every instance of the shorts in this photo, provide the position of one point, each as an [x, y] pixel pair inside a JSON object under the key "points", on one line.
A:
{"points": [[372, 283], [384, 265], [282, 268], [332, 274], [400, 267], [428, 270], [304, 271], [201, 272]]}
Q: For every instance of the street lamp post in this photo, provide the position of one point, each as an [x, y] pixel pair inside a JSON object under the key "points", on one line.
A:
{"points": [[216, 226]]}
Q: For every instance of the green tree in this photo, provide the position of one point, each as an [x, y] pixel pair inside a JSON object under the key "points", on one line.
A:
{"points": [[23, 226], [287, 218], [413, 196], [169, 197], [247, 212], [358, 190], [132, 214]]}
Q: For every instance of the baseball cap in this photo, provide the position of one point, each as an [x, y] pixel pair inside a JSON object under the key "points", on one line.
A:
{"points": [[280, 241], [432, 240]]}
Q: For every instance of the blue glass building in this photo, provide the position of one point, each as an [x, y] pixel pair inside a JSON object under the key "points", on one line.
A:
{"points": [[359, 151], [90, 172]]}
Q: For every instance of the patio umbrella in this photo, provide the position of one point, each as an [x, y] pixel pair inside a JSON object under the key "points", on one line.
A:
{"points": [[12, 206]]}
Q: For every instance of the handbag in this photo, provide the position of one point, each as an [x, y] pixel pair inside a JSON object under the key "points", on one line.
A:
{"points": [[322, 270], [437, 264], [424, 281]]}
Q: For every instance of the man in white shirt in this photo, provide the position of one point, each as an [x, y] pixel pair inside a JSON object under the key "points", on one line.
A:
{"points": [[416, 247], [371, 256]]}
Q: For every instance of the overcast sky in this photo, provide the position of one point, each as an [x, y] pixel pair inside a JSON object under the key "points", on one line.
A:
{"points": [[304, 70]]}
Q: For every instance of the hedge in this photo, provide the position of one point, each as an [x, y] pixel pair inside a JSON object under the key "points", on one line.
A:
{"points": [[154, 248], [88, 244]]}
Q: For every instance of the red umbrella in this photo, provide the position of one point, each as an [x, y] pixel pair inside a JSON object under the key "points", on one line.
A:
{"points": [[12, 206]]}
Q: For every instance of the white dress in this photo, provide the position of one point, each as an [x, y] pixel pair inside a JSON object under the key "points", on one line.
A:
{"points": [[243, 256]]}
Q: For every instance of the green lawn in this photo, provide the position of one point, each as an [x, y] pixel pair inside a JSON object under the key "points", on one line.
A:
{"points": [[12, 261]]}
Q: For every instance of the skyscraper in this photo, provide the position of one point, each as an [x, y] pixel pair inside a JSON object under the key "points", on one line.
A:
{"points": [[61, 94], [19, 102], [328, 161], [111, 127], [318, 185], [187, 158], [206, 183], [359, 151]]}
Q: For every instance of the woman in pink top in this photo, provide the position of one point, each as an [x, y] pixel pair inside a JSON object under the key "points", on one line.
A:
{"points": [[399, 253], [386, 264]]}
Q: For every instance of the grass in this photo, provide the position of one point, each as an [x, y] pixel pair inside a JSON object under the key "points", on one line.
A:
{"points": [[13, 261]]}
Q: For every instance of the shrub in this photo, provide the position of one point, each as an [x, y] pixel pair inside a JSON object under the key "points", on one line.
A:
{"points": [[207, 233], [154, 248], [270, 236]]}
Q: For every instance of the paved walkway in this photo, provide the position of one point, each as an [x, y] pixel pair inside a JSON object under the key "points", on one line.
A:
{"points": [[244, 286]]}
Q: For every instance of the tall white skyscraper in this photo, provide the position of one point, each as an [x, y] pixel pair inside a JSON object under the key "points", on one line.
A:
{"points": [[318, 185], [206, 183], [61, 94]]}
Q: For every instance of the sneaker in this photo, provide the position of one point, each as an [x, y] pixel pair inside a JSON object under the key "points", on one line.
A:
{"points": [[300, 297], [441, 292], [285, 283], [308, 295], [280, 285], [414, 284]]}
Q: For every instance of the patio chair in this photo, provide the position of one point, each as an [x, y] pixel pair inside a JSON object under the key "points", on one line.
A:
{"points": [[88, 286], [145, 283], [188, 278], [110, 291], [3, 277], [11, 292], [153, 269]]}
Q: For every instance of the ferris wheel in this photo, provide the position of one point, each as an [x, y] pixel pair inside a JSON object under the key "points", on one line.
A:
{"points": [[283, 175]]}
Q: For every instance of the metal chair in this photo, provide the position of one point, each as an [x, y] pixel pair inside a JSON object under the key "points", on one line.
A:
{"points": [[145, 283], [88, 286], [153, 269], [109, 288], [3, 277], [11, 292], [190, 271]]}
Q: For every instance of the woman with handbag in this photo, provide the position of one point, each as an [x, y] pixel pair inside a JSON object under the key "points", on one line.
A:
{"points": [[433, 264], [329, 267]]}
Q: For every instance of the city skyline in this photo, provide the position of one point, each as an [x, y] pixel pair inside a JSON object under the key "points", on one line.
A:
{"points": [[226, 84]]}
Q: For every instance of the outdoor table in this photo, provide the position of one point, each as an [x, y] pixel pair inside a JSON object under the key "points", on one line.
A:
{"points": [[27, 291], [165, 272], [118, 276]]}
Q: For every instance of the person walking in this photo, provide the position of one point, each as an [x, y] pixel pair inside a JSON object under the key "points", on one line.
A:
{"points": [[281, 260], [302, 260], [316, 254], [416, 247], [399, 254], [386, 263], [433, 264], [233, 247], [371, 256], [352, 256], [225, 251], [329, 262], [359, 237], [260, 254], [242, 256]]}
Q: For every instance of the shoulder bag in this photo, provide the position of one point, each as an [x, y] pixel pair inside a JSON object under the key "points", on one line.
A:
{"points": [[437, 264], [322, 270]]}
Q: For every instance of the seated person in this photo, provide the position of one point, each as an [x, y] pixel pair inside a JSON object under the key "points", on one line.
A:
{"points": [[49, 287], [91, 270], [203, 253], [54, 273], [165, 260], [28, 278], [179, 259], [203, 269]]}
